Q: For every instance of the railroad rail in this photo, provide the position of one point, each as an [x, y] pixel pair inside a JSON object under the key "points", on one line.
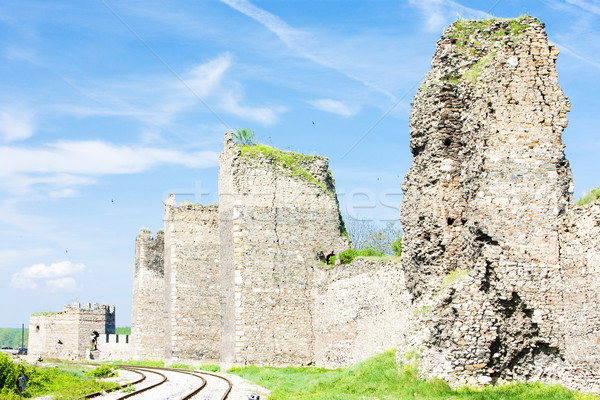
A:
{"points": [[156, 370]]}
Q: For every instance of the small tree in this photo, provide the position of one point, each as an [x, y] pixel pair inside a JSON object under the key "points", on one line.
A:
{"points": [[244, 137], [366, 235]]}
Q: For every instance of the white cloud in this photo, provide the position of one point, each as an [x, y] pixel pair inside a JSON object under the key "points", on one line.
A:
{"points": [[55, 277], [15, 124], [334, 106], [440, 13], [61, 285], [95, 158]]}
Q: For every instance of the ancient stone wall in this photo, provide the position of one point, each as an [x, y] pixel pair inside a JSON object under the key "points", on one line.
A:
{"points": [[580, 262], [148, 306], [112, 347], [361, 309], [192, 291], [488, 180], [279, 214], [68, 334]]}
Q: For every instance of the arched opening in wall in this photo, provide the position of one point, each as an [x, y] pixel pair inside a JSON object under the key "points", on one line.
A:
{"points": [[37, 328]]}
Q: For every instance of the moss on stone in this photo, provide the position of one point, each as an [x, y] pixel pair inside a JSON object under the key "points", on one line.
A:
{"points": [[289, 161]]}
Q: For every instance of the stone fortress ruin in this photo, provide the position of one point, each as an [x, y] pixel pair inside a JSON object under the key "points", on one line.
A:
{"points": [[500, 271]]}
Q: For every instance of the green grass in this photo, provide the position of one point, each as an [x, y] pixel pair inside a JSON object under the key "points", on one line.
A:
{"points": [[588, 198], [62, 381], [288, 160], [143, 363], [379, 378], [202, 367]]}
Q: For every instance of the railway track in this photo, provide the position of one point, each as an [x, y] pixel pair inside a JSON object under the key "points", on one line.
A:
{"points": [[167, 383]]}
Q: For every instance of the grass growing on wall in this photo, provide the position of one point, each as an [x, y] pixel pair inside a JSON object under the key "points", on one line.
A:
{"points": [[289, 160], [379, 378]]}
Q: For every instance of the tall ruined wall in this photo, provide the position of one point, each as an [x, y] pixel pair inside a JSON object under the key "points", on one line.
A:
{"points": [[192, 323], [148, 306], [580, 261], [488, 180], [278, 214], [67, 334], [361, 309]]}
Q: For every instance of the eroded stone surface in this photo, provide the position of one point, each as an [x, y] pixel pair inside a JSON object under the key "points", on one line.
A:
{"points": [[486, 194]]}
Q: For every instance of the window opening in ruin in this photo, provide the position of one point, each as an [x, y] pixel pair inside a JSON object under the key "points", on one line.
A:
{"points": [[37, 328]]}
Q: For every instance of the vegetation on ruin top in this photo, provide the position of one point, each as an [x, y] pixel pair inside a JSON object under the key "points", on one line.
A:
{"points": [[463, 31], [39, 313], [588, 198], [380, 378], [473, 38], [288, 160]]}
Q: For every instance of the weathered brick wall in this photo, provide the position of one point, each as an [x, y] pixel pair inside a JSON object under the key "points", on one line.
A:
{"points": [[274, 224], [67, 334], [192, 296], [148, 306], [361, 309], [488, 180]]}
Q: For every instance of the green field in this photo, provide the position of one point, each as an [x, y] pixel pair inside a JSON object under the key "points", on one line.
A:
{"points": [[379, 378]]}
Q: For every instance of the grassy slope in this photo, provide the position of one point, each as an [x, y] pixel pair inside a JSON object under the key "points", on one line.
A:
{"points": [[378, 378]]}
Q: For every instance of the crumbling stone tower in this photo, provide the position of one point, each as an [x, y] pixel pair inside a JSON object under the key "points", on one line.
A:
{"points": [[67, 334], [488, 181], [147, 316], [278, 215]]}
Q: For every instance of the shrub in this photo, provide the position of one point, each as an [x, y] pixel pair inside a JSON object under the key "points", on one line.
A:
{"points": [[331, 260], [8, 375], [103, 371], [397, 247], [347, 256], [588, 198]]}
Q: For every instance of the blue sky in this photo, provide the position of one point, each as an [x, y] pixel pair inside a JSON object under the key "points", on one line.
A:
{"points": [[107, 106]]}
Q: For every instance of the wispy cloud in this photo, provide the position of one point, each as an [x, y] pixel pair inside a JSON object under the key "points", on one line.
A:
{"points": [[55, 170], [593, 7], [578, 56], [158, 100], [304, 44], [95, 158], [54, 277], [440, 13], [334, 106], [15, 123]]}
